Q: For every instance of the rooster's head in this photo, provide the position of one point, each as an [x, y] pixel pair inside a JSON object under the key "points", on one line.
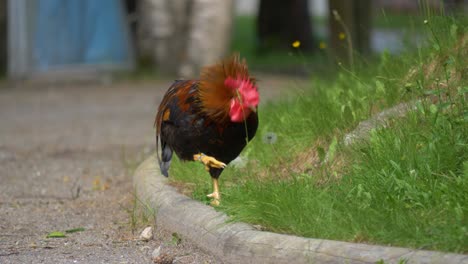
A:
{"points": [[227, 92]]}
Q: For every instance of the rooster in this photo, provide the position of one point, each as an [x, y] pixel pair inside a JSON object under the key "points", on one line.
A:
{"points": [[209, 120]]}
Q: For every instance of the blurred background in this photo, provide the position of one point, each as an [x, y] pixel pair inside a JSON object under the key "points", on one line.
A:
{"points": [[80, 82], [86, 38]]}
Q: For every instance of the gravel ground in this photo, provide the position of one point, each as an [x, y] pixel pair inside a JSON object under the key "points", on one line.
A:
{"points": [[66, 157]]}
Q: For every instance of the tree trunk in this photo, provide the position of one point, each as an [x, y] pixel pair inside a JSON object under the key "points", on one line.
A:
{"points": [[209, 36], [163, 32], [363, 24], [280, 23], [182, 36]]}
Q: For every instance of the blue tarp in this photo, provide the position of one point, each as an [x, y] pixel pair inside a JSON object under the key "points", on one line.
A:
{"points": [[75, 32]]}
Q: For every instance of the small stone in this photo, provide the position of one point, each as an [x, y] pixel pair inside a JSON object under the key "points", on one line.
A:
{"points": [[156, 253], [147, 233]]}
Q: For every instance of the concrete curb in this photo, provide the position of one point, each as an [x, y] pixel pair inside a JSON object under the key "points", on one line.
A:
{"points": [[241, 243], [364, 128]]}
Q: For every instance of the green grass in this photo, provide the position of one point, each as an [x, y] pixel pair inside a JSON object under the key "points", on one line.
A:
{"points": [[405, 186]]}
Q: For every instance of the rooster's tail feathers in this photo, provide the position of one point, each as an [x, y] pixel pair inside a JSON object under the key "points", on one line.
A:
{"points": [[165, 161]]}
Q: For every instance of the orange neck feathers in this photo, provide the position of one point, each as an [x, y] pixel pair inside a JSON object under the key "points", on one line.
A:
{"points": [[216, 93]]}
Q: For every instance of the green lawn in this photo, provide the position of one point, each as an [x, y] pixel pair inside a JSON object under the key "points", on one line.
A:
{"points": [[405, 186]]}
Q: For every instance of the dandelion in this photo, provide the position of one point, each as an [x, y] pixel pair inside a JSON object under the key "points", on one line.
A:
{"points": [[342, 36], [239, 162], [270, 138], [425, 21], [322, 45], [296, 44]]}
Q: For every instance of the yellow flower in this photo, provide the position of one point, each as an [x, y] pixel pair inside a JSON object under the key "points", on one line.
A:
{"points": [[322, 45], [296, 44], [341, 36]]}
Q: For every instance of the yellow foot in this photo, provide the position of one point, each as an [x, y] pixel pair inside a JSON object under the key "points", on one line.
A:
{"points": [[209, 162], [215, 195], [216, 198]]}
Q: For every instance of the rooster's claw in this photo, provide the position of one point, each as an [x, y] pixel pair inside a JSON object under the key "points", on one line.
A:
{"points": [[209, 162]]}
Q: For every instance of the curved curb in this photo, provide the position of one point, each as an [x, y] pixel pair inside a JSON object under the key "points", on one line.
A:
{"points": [[241, 243], [364, 128]]}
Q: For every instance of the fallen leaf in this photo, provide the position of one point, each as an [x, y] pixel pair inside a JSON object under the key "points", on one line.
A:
{"points": [[55, 234]]}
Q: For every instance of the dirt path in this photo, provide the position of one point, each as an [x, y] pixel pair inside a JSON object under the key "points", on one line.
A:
{"points": [[66, 158]]}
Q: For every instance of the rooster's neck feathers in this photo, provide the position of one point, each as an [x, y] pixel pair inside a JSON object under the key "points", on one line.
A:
{"points": [[214, 97]]}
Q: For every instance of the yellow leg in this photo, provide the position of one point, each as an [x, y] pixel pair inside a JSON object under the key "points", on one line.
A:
{"points": [[209, 162], [215, 195]]}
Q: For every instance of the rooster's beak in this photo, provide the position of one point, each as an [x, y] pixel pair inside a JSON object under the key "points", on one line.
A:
{"points": [[253, 108]]}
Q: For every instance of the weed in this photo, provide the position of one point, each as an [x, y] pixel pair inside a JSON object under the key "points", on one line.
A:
{"points": [[140, 214]]}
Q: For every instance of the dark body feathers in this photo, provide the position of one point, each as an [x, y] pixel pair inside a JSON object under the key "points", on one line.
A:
{"points": [[184, 128]]}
